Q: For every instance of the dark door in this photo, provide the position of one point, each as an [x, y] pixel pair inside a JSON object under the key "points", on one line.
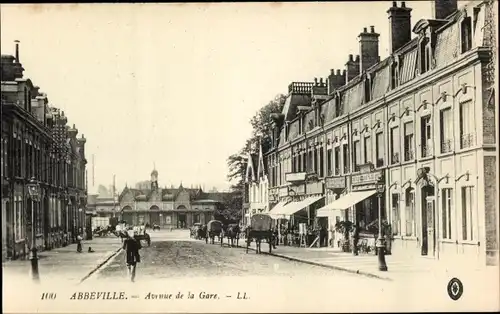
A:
{"points": [[428, 224], [181, 222]]}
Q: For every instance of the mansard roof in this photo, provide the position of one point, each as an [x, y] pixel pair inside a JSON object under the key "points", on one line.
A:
{"points": [[170, 194]]}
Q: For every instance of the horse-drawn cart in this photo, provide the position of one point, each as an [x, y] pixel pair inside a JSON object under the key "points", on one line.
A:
{"points": [[260, 228], [214, 228]]}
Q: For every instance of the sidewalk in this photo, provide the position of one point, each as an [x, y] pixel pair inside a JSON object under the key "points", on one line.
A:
{"points": [[400, 268], [65, 263]]}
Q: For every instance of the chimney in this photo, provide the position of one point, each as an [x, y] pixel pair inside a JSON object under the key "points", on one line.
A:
{"points": [[399, 26], [441, 9], [368, 48], [335, 80], [17, 51], [352, 68]]}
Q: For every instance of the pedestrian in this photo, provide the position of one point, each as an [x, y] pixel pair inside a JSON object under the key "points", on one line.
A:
{"points": [[79, 247], [132, 245]]}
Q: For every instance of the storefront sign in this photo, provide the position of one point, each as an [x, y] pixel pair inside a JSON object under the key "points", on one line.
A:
{"points": [[295, 177], [283, 191], [335, 183], [366, 178], [314, 188]]}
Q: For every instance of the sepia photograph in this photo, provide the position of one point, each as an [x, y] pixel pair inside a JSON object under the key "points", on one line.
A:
{"points": [[250, 157]]}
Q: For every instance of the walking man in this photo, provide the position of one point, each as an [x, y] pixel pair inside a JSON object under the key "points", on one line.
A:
{"points": [[132, 246]]}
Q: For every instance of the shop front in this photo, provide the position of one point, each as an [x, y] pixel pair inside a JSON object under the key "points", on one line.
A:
{"points": [[335, 187]]}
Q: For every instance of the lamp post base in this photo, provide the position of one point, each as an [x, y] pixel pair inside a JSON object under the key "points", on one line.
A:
{"points": [[382, 265], [34, 265]]}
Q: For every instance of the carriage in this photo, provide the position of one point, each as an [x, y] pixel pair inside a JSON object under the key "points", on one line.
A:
{"points": [[260, 229], [214, 228]]}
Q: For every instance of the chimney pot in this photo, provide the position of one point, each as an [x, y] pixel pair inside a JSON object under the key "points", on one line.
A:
{"points": [[399, 27], [403, 4], [372, 29], [315, 81], [365, 30], [332, 71], [74, 126], [338, 72], [17, 50], [395, 4], [443, 8], [357, 58], [350, 57], [321, 80]]}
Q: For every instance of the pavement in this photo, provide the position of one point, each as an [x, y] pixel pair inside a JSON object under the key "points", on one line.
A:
{"points": [[65, 263]]}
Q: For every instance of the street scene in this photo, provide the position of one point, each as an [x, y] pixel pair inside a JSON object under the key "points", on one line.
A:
{"points": [[346, 160]]}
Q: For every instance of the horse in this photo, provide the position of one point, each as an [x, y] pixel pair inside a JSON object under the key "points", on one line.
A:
{"points": [[232, 232], [201, 232]]}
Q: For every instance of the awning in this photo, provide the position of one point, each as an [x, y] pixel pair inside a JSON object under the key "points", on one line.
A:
{"points": [[277, 211], [344, 202], [294, 207]]}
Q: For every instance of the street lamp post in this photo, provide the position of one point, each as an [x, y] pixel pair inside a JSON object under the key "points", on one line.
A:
{"points": [[34, 192], [382, 266]]}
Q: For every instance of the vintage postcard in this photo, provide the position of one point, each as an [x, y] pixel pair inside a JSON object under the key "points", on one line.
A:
{"points": [[250, 157]]}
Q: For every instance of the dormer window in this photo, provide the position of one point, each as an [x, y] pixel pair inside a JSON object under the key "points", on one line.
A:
{"points": [[394, 75], [338, 106], [425, 56], [368, 90], [466, 34]]}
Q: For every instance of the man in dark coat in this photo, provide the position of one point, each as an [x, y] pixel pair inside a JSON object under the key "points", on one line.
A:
{"points": [[131, 245]]}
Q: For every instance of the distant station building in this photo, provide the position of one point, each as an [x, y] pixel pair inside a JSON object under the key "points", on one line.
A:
{"points": [[170, 207]]}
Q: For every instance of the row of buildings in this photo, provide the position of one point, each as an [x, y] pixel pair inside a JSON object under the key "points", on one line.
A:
{"points": [[168, 207], [420, 124], [38, 144]]}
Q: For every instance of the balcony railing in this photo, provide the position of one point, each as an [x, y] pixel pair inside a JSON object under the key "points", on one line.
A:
{"points": [[395, 158], [426, 151], [467, 140], [446, 146], [409, 155]]}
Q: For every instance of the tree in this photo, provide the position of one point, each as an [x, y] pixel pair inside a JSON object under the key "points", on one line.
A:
{"points": [[261, 130], [102, 191]]}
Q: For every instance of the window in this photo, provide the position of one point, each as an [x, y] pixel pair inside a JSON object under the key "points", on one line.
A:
{"points": [[380, 149], [321, 162], [367, 85], [196, 218], [309, 161], [395, 142], [368, 149], [345, 151], [408, 141], [446, 122], [394, 75], [299, 162], [18, 219], [315, 160], [466, 118], [337, 160], [338, 107], [466, 34], [424, 56], [357, 155], [446, 213], [410, 212], [329, 162], [426, 136], [396, 218], [467, 213]]}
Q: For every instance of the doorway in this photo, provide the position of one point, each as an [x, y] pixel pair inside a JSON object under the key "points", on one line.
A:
{"points": [[428, 221], [181, 222]]}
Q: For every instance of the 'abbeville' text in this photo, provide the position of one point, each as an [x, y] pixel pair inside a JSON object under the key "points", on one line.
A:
{"points": [[98, 296]]}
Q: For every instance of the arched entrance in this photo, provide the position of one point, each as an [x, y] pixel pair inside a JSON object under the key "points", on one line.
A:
{"points": [[181, 217], [154, 215], [127, 215], [428, 213]]}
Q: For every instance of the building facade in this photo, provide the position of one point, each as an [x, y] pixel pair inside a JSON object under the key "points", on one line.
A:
{"points": [[37, 144], [421, 122], [173, 208], [256, 187]]}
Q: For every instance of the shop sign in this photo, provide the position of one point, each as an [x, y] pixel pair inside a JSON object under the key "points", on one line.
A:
{"points": [[366, 178], [335, 183], [294, 177], [314, 188], [283, 191]]}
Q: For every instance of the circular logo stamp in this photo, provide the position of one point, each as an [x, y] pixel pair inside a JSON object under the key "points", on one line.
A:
{"points": [[455, 289]]}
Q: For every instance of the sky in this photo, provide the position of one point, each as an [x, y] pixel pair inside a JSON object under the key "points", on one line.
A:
{"points": [[174, 86]]}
